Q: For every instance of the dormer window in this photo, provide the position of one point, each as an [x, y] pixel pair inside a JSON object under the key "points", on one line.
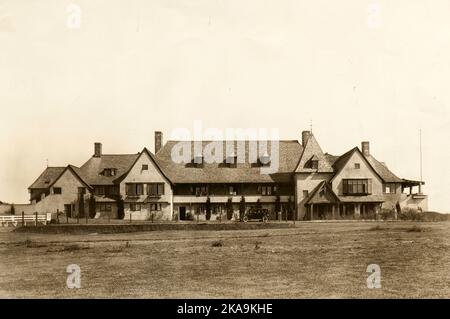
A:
{"points": [[109, 172], [312, 163], [264, 160], [231, 160], [198, 160]]}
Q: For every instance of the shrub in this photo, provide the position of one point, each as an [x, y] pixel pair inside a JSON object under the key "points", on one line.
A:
{"points": [[217, 243], [410, 214], [387, 214], [378, 227], [13, 210], [92, 206], [229, 209], [120, 209], [208, 209], [416, 229]]}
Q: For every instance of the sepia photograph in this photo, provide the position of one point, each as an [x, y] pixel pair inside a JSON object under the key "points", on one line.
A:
{"points": [[240, 152]]}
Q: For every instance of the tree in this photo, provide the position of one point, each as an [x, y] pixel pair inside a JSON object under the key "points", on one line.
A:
{"points": [[277, 206], [120, 209], [81, 205], [13, 209], [289, 209], [92, 206], [242, 208], [208, 208], [229, 208]]}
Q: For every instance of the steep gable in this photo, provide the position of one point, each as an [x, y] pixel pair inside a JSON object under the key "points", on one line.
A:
{"points": [[47, 177], [322, 194], [313, 152], [152, 172]]}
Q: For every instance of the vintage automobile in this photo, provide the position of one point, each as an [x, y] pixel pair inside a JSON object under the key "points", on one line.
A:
{"points": [[260, 214]]}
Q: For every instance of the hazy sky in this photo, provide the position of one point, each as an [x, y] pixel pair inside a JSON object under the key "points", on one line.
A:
{"points": [[361, 70]]}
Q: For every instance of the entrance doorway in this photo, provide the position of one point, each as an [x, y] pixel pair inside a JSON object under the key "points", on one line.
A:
{"points": [[182, 213]]}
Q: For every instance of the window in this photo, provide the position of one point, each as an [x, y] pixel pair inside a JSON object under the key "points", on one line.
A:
{"points": [[57, 190], [264, 160], [155, 207], [267, 190], [389, 188], [314, 164], [357, 186], [101, 207], [109, 172], [305, 194], [135, 207], [357, 166], [81, 190], [201, 190], [145, 167], [134, 189], [99, 190], [233, 190], [155, 189], [231, 161], [68, 209], [198, 160]]}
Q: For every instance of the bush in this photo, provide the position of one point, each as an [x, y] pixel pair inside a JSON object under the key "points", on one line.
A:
{"points": [[217, 243], [208, 209], [120, 209], [416, 229], [13, 210], [410, 214], [229, 209], [387, 214]]}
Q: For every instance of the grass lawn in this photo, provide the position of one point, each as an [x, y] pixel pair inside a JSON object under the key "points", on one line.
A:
{"points": [[308, 261]]}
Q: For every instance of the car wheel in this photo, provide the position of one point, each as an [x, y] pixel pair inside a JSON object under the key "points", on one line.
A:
{"points": [[245, 219], [265, 219]]}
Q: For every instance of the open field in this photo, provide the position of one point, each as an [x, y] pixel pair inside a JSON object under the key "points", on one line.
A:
{"points": [[309, 260]]}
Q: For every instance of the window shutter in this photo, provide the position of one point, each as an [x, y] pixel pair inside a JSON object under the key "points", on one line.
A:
{"points": [[345, 190], [369, 183]]}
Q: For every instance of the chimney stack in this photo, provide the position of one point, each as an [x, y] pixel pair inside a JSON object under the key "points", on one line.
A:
{"points": [[97, 149], [305, 137], [158, 141], [365, 148]]}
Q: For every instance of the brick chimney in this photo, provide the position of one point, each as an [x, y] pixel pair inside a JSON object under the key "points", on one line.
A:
{"points": [[305, 137], [365, 148], [97, 149], [158, 141]]}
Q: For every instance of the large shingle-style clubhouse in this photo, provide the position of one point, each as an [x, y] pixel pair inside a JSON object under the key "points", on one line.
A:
{"points": [[309, 184]]}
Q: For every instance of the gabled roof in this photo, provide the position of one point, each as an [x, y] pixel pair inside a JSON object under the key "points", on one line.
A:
{"points": [[152, 158], [289, 152], [383, 170], [91, 170], [312, 150], [52, 174], [47, 177], [340, 163], [380, 169], [321, 194]]}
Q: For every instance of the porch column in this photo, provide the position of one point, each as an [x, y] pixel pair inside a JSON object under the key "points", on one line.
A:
{"points": [[333, 211], [312, 211], [377, 210], [357, 211], [344, 209], [364, 210]]}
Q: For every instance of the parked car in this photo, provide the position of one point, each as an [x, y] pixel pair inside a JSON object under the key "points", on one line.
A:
{"points": [[260, 214]]}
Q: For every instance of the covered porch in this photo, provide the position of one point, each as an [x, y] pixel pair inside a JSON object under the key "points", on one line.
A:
{"points": [[323, 204], [339, 210]]}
